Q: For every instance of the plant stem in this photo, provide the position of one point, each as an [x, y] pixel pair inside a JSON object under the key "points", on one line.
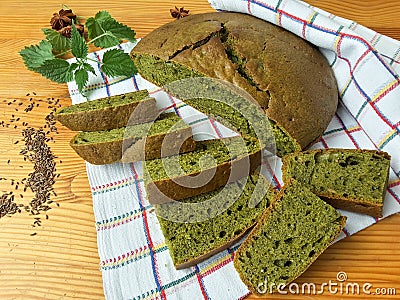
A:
{"points": [[97, 37], [94, 60], [63, 53], [87, 43]]}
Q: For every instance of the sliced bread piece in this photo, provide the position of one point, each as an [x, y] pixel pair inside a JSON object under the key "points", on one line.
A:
{"points": [[296, 228], [168, 135], [211, 165], [350, 179], [224, 220], [110, 112]]}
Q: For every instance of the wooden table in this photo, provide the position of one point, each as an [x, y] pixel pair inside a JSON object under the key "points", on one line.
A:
{"points": [[61, 260]]}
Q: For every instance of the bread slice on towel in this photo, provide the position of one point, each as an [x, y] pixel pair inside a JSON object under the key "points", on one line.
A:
{"points": [[211, 165], [168, 135], [110, 112], [222, 221], [295, 229], [350, 179]]}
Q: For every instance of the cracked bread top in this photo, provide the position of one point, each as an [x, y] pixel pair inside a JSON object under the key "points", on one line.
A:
{"points": [[288, 77]]}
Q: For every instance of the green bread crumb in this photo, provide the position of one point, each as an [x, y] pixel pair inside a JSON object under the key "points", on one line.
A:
{"points": [[206, 155], [188, 241], [162, 125], [163, 73], [112, 101], [341, 173], [287, 240]]}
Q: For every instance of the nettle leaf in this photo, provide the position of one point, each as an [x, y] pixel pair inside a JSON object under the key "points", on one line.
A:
{"points": [[81, 78], [119, 30], [102, 15], [106, 31], [56, 69], [103, 30], [57, 40], [89, 68], [108, 39], [93, 27], [117, 63], [78, 45], [73, 66], [100, 37], [35, 55], [96, 32]]}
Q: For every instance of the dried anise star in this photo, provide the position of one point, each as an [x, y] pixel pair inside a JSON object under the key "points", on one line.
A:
{"points": [[62, 19], [179, 13], [66, 31]]}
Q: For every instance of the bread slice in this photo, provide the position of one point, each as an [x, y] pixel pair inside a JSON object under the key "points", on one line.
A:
{"points": [[168, 135], [350, 179], [110, 112], [296, 228], [224, 216], [211, 165]]}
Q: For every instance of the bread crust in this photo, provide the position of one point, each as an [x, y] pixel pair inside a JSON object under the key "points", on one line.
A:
{"points": [[289, 78], [166, 190], [139, 149], [111, 117], [346, 203]]}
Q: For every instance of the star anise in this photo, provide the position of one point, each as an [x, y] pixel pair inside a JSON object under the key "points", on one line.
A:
{"points": [[62, 19], [66, 31], [179, 13]]}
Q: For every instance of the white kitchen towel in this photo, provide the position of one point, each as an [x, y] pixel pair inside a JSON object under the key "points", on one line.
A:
{"points": [[135, 262]]}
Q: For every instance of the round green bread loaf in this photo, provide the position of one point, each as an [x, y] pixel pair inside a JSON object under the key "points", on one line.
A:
{"points": [[287, 76]]}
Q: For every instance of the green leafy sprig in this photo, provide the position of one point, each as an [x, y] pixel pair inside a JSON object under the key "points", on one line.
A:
{"points": [[103, 31]]}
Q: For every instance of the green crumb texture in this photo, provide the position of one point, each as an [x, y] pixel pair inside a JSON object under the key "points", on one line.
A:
{"points": [[172, 76], [284, 143], [207, 155], [358, 176], [191, 242], [110, 112], [227, 104], [161, 72], [112, 101], [291, 234], [164, 124], [135, 142]]}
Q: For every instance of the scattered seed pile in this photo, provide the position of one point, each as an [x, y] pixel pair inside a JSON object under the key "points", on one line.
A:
{"points": [[7, 204], [38, 152], [41, 180]]}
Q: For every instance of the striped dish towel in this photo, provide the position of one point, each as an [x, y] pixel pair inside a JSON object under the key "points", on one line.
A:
{"points": [[135, 262]]}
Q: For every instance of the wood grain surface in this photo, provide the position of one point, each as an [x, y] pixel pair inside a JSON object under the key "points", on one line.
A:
{"points": [[59, 259]]}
